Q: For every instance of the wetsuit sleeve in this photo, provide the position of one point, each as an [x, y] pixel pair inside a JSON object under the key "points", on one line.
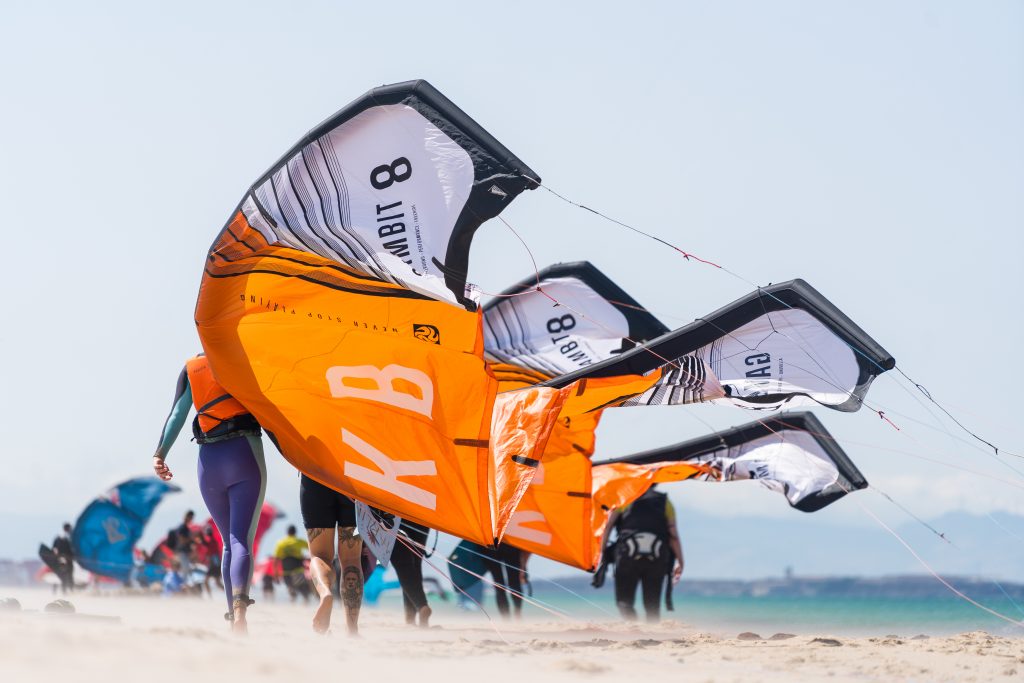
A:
{"points": [[179, 412]]}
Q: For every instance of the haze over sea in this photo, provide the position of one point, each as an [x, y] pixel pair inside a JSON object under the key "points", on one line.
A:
{"points": [[933, 615]]}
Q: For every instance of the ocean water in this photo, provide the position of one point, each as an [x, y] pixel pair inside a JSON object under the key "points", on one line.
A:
{"points": [[729, 615]]}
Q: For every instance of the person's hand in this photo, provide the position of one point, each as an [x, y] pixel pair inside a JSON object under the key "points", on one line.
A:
{"points": [[161, 469], [677, 572]]}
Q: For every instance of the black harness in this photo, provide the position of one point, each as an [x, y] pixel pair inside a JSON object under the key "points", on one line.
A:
{"points": [[642, 538]]}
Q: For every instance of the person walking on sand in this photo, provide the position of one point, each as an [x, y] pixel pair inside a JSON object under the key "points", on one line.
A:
{"points": [[290, 556], [181, 540], [407, 559], [323, 511], [210, 554], [65, 554], [505, 564], [646, 552], [232, 473]]}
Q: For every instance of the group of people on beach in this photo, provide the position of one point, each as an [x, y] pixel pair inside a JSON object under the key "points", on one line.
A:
{"points": [[232, 481]]}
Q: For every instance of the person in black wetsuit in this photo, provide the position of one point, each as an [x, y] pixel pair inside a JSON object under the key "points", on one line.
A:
{"points": [[505, 564], [646, 552], [408, 564], [66, 557]]}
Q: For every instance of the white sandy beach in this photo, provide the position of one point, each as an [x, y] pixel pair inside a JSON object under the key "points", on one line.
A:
{"points": [[183, 640]]}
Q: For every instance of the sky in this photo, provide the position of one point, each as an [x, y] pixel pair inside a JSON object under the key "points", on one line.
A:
{"points": [[874, 149]]}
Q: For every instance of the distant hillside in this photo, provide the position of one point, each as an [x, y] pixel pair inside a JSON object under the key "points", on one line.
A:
{"points": [[747, 548], [896, 587]]}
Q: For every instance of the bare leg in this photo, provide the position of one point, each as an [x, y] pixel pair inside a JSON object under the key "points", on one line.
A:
{"points": [[239, 625], [350, 550], [425, 613], [321, 550]]}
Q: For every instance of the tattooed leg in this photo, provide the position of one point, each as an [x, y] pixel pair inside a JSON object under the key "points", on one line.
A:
{"points": [[321, 569], [350, 550]]}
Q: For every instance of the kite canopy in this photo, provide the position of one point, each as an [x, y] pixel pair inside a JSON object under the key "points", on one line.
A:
{"points": [[568, 316], [334, 306], [394, 186], [792, 453], [570, 326], [106, 532], [326, 309], [782, 344]]}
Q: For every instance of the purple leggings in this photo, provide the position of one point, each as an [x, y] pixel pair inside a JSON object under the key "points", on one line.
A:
{"points": [[232, 479]]}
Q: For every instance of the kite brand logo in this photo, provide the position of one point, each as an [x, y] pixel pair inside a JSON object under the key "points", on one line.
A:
{"points": [[427, 333], [112, 526], [759, 359], [391, 386]]}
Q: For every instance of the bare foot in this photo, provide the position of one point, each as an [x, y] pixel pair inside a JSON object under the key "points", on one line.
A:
{"points": [[322, 618], [425, 613], [239, 625]]}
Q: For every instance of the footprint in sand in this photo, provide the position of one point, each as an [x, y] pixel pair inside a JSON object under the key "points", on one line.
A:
{"points": [[830, 642], [581, 666]]}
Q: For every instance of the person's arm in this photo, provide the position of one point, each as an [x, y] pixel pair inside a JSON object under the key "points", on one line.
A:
{"points": [[613, 518], [674, 542], [172, 426]]}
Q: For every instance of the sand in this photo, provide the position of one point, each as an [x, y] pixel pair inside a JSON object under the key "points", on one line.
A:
{"points": [[183, 640]]}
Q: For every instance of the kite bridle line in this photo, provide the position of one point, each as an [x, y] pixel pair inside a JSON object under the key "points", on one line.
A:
{"points": [[674, 363], [782, 438], [423, 557], [847, 490], [803, 345], [942, 536], [909, 513], [912, 454], [419, 550], [551, 581], [688, 256], [692, 257], [495, 585], [857, 351], [928, 395], [941, 580], [996, 522], [998, 585], [943, 427]]}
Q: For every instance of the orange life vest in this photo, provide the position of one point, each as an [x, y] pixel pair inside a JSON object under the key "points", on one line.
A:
{"points": [[213, 404]]}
